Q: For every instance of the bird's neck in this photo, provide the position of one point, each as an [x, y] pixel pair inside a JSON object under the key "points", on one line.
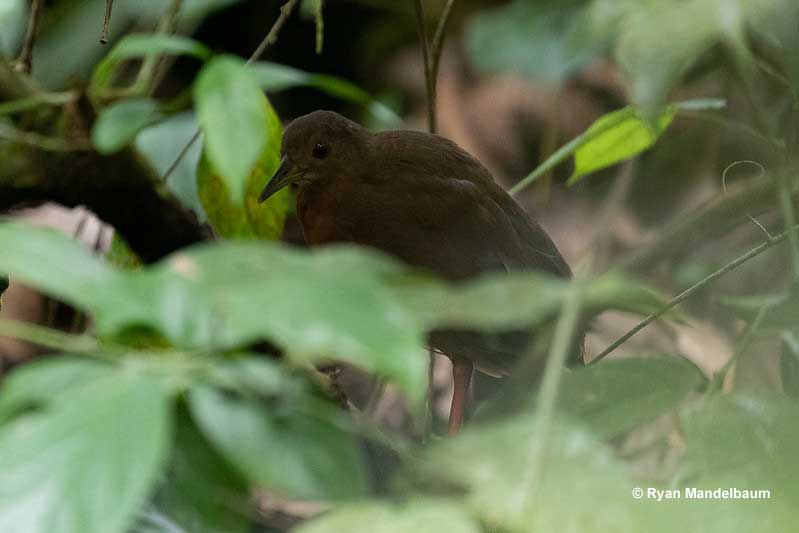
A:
{"points": [[317, 209]]}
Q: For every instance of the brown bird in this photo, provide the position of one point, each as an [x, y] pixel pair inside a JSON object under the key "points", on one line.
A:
{"points": [[424, 200]]}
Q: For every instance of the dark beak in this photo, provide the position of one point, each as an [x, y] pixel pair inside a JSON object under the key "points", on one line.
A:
{"points": [[279, 179]]}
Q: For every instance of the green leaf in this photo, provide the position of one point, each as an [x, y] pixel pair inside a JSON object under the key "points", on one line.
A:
{"points": [[41, 382], [542, 39], [616, 396], [161, 143], [118, 125], [789, 364], [417, 516], [658, 41], [623, 133], [232, 112], [299, 455], [249, 219], [201, 493], [615, 137], [489, 463], [140, 45], [85, 465], [12, 25], [54, 263], [747, 443], [273, 77]]}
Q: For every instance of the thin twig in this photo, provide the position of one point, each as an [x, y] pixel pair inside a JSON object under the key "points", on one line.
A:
{"points": [[428, 73], [269, 40], [687, 293], [145, 83], [109, 5], [50, 144], [438, 40], [26, 56]]}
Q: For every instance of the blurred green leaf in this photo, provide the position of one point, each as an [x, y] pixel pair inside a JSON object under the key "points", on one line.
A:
{"points": [[201, 493], [273, 77], [658, 41], [140, 45], [225, 296], [231, 219], [618, 395], [42, 382], [118, 125], [746, 443], [12, 24], [541, 39], [489, 463], [417, 516], [87, 464], [292, 453], [232, 112], [161, 144], [789, 364]]}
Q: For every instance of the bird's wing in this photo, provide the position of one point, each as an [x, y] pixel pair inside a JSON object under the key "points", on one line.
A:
{"points": [[445, 213]]}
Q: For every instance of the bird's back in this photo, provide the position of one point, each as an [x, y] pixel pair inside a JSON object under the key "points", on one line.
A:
{"points": [[426, 201]]}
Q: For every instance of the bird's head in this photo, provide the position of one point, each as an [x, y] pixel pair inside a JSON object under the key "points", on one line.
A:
{"points": [[316, 146]]}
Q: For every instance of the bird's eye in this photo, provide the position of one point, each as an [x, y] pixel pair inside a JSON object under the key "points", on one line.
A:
{"points": [[320, 151]]}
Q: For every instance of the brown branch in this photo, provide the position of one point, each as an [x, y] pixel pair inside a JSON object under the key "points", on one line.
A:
{"points": [[270, 39], [109, 6], [26, 55]]}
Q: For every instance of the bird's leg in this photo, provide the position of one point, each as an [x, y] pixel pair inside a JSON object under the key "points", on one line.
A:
{"points": [[462, 376]]}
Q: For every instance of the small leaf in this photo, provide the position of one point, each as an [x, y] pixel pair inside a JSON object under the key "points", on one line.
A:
{"points": [[615, 137], [301, 456], [140, 45], [118, 125], [232, 112], [417, 516], [273, 77], [87, 464], [41, 382]]}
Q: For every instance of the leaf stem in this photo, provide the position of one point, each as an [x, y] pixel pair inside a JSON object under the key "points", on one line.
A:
{"points": [[49, 338], [269, 40], [431, 55], [26, 55], [687, 293]]}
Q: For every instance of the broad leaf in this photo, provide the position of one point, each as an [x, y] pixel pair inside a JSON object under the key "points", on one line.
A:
{"points": [[201, 493], [417, 516], [541, 39], [40, 383], [745, 443], [616, 396], [86, 465], [491, 463], [247, 219], [232, 112], [290, 452], [118, 125]]}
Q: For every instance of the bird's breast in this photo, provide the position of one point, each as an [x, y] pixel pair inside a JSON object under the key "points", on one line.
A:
{"points": [[318, 208]]}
